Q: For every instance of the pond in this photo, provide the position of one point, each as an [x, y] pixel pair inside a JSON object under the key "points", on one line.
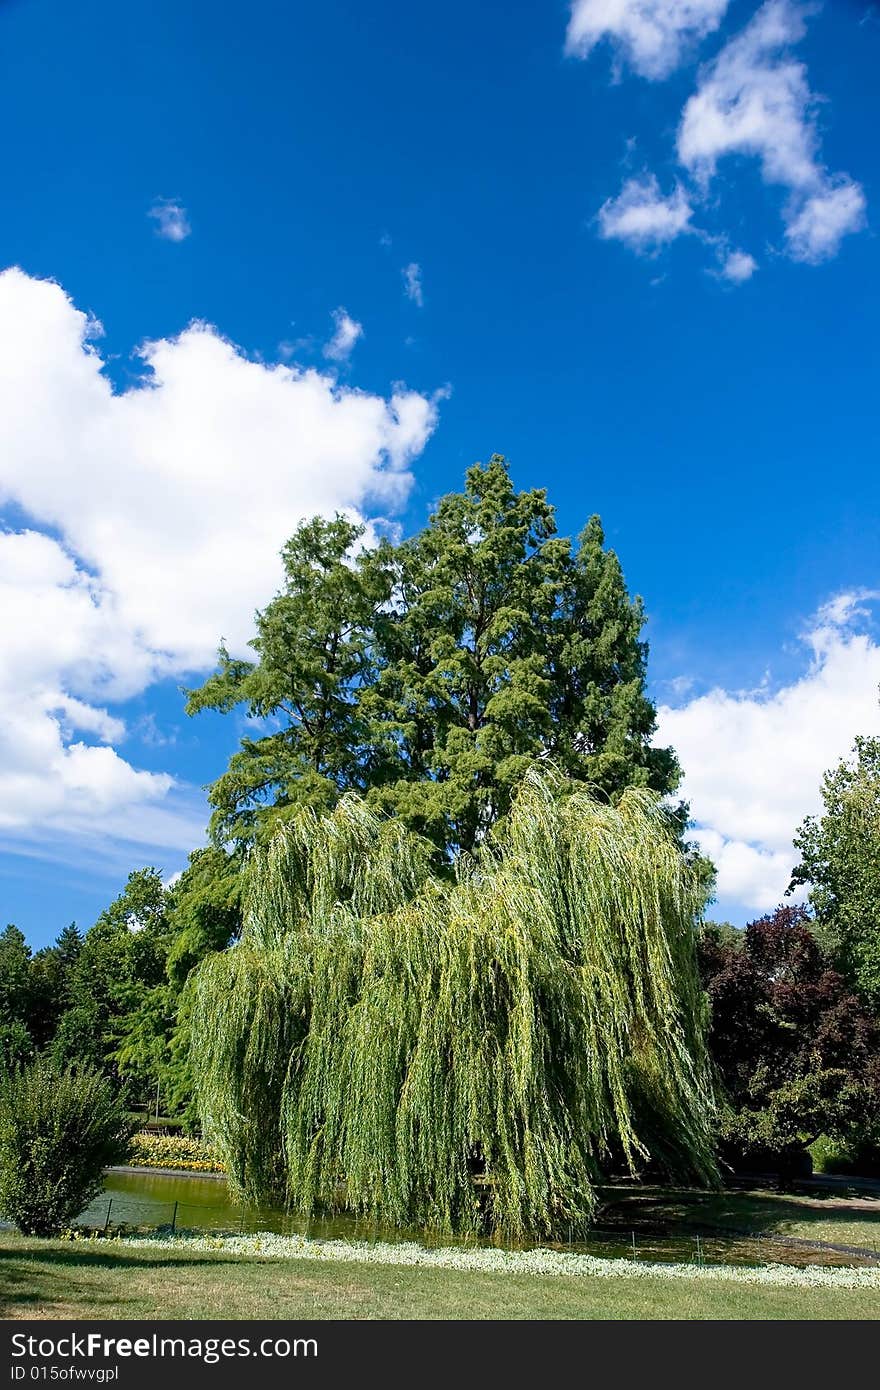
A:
{"points": [[200, 1203]]}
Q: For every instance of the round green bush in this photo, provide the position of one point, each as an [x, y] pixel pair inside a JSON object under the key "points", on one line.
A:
{"points": [[59, 1130]]}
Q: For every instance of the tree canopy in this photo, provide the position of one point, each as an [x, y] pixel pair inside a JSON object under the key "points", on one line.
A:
{"points": [[427, 675], [109, 1000], [840, 860], [16, 1043], [121, 959], [796, 1051], [463, 1055]]}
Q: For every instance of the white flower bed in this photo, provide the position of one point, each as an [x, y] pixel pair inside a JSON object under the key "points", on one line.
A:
{"points": [[276, 1247]]}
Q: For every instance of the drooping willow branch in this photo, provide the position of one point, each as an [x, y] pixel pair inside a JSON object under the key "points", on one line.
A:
{"points": [[461, 1056]]}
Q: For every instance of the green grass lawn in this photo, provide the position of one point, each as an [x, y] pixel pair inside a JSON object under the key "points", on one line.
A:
{"points": [[828, 1217], [56, 1279]]}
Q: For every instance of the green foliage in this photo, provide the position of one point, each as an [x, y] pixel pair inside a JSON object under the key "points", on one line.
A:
{"points": [[204, 910], [797, 1053], [59, 1129], [718, 935], [111, 1000], [51, 977], [859, 1158], [428, 675], [34, 992], [840, 859], [122, 958], [16, 1043], [203, 914], [313, 656], [462, 1055], [777, 1125]]}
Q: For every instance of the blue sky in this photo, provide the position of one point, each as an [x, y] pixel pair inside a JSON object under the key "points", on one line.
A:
{"points": [[631, 246]]}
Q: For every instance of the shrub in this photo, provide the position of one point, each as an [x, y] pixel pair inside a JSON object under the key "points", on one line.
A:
{"points": [[173, 1151], [848, 1159], [59, 1130]]}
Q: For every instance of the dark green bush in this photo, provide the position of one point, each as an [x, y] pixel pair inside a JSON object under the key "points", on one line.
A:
{"points": [[59, 1129]]}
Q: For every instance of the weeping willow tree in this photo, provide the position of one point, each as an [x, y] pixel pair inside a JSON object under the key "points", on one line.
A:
{"points": [[465, 1056]]}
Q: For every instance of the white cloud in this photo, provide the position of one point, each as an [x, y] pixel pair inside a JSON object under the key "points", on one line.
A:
{"points": [[412, 283], [170, 502], [680, 685], [652, 36], [750, 875], [171, 218], [845, 608], [642, 218], [754, 760], [737, 267], [346, 333], [814, 232], [50, 777], [754, 99]]}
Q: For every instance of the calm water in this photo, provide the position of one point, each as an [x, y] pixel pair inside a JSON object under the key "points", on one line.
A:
{"points": [[200, 1203]]}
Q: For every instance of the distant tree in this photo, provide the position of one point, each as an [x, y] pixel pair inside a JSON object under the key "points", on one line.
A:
{"points": [[797, 1052], [428, 675], [110, 1000], [121, 959], [716, 936], [840, 860], [68, 945], [201, 913], [51, 975], [16, 1043]]}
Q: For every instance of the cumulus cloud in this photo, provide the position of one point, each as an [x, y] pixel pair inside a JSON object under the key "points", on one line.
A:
{"points": [[815, 230], [754, 760], [737, 267], [171, 219], [755, 100], [346, 333], [642, 218], [412, 283], [167, 505], [652, 36], [58, 769]]}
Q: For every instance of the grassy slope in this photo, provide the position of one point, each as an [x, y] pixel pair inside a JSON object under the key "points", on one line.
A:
{"points": [[53, 1279]]}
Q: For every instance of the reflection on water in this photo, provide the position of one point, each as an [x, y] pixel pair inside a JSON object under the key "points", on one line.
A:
{"points": [[200, 1203]]}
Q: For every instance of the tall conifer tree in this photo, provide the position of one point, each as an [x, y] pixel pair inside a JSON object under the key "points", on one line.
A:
{"points": [[428, 675]]}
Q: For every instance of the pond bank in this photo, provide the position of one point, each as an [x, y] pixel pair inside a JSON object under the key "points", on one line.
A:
{"points": [[651, 1225], [154, 1170], [269, 1246]]}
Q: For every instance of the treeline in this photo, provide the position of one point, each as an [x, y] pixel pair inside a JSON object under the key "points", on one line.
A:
{"points": [[111, 999]]}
